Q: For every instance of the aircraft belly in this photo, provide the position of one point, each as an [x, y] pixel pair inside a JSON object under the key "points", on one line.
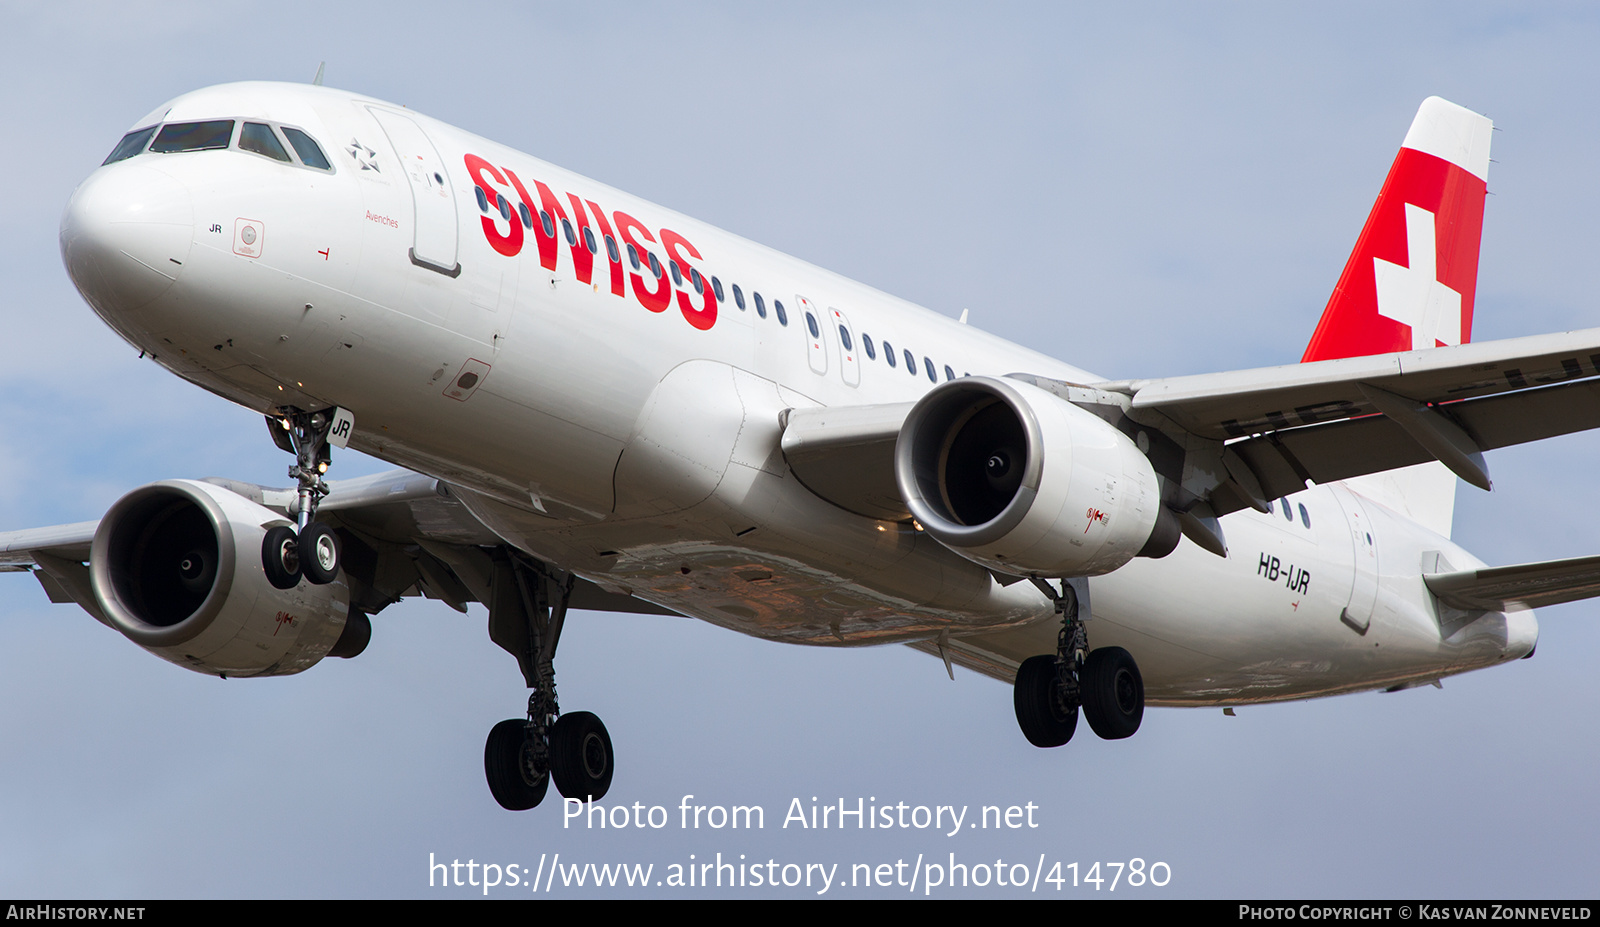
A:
{"points": [[763, 556]]}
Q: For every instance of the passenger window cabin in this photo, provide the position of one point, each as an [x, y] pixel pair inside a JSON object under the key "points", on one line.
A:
{"points": [[267, 140]]}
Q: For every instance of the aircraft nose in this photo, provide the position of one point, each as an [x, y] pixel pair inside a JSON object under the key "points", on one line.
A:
{"points": [[125, 236]]}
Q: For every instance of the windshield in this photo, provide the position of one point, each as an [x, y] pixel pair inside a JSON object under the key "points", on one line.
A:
{"points": [[258, 138], [194, 136], [131, 144], [310, 153]]}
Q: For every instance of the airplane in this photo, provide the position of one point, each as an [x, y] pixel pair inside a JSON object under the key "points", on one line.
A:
{"points": [[603, 404]]}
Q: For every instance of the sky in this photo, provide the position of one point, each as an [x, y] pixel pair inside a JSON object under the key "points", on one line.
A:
{"points": [[1144, 190]]}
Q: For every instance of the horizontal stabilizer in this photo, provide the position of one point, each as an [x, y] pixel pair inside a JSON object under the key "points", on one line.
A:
{"points": [[1523, 585]]}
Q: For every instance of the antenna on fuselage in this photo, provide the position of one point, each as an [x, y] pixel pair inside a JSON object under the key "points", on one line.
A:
{"points": [[317, 81]]}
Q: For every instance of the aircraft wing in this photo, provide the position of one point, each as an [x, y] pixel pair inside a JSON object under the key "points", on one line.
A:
{"points": [[1334, 419], [61, 540], [1277, 427], [845, 454], [1523, 585], [403, 535]]}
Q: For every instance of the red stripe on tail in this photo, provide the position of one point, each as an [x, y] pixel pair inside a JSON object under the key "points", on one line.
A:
{"points": [[1386, 299]]}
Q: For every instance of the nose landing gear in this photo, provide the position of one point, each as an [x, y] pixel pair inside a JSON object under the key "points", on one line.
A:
{"points": [[280, 556], [319, 553], [312, 548]]}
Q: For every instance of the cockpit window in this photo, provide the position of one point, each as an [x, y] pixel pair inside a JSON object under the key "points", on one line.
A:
{"points": [[131, 144], [193, 136], [258, 137], [310, 154]]}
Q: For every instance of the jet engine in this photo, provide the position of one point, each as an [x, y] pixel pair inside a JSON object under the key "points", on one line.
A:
{"points": [[1017, 479], [176, 566]]}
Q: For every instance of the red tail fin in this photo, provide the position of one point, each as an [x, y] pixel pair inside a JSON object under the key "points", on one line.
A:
{"points": [[1410, 281]]}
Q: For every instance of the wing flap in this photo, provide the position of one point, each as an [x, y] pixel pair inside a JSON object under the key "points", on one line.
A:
{"points": [[1283, 460]]}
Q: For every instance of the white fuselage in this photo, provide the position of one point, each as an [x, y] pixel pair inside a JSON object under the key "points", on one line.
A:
{"points": [[627, 428]]}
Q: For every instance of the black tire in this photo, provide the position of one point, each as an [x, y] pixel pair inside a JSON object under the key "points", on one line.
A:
{"points": [[1045, 720], [1113, 693], [581, 760], [320, 554], [280, 557], [503, 767]]}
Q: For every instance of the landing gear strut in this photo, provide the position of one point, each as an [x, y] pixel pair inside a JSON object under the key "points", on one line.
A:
{"points": [[311, 549], [527, 610], [1050, 688]]}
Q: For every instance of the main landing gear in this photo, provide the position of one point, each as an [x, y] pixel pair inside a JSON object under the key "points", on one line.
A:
{"points": [[527, 610], [1051, 687], [311, 549]]}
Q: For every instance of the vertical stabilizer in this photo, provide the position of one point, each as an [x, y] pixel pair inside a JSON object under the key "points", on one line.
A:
{"points": [[1410, 282]]}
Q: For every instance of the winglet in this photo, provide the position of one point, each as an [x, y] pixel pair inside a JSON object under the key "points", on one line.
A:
{"points": [[1410, 282]]}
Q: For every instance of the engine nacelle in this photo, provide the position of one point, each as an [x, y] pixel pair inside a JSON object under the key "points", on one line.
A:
{"points": [[177, 567], [1021, 481]]}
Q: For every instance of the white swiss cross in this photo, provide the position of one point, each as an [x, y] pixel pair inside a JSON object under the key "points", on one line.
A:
{"points": [[1413, 295]]}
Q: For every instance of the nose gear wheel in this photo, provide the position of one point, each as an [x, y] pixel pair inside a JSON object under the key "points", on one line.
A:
{"points": [[280, 556], [317, 548]]}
